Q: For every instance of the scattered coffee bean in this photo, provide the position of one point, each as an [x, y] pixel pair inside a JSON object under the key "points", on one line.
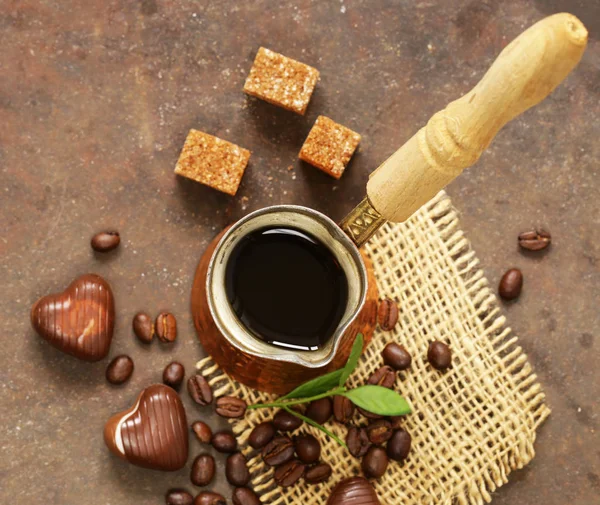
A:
{"points": [[511, 284], [231, 407], [375, 462], [379, 431], [383, 376], [396, 356], [173, 374], [396, 422], [387, 314], [105, 241], [143, 328], [202, 431], [203, 470], [320, 410], [317, 473], [343, 409], [278, 451], [224, 442], [244, 496], [165, 327], [236, 470], [439, 355], [209, 498], [199, 390], [357, 441], [119, 369], [535, 240], [398, 446], [289, 473], [284, 421], [369, 415], [308, 449], [261, 435], [178, 497]]}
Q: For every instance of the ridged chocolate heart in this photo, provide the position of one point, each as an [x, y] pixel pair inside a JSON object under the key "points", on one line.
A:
{"points": [[353, 491], [80, 320], [153, 433]]}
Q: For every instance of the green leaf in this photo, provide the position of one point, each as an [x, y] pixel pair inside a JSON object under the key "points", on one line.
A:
{"points": [[355, 353], [316, 425], [378, 400], [315, 386]]}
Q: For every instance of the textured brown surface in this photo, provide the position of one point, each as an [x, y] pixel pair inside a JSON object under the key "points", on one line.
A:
{"points": [[96, 101]]}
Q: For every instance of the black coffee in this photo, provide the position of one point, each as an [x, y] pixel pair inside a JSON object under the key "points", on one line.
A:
{"points": [[286, 287]]}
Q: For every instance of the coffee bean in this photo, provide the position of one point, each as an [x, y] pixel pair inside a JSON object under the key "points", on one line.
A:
{"points": [[308, 449], [396, 356], [383, 376], [173, 374], [289, 473], [387, 314], [357, 441], [396, 422], [343, 409], [105, 241], [375, 462], [369, 415], [165, 327], [203, 470], [261, 435], [317, 473], [119, 369], [439, 355], [534, 240], [199, 390], [320, 410], [511, 284], [284, 421], [209, 498], [224, 442], [202, 431], [278, 451], [236, 470], [244, 496], [398, 446], [231, 407], [178, 497], [143, 328], [379, 431]]}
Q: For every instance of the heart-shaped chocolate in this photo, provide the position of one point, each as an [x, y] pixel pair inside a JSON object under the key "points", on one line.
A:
{"points": [[80, 320], [153, 433], [353, 491]]}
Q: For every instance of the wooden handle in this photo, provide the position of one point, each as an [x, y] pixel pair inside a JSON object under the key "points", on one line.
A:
{"points": [[524, 73]]}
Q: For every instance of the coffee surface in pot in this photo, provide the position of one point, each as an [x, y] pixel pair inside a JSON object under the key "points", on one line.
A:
{"points": [[286, 287]]}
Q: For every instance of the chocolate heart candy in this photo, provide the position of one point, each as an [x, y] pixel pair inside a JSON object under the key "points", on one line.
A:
{"points": [[353, 491], [153, 433], [80, 320]]}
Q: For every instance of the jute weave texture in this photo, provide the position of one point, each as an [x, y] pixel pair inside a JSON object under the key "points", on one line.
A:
{"points": [[470, 426]]}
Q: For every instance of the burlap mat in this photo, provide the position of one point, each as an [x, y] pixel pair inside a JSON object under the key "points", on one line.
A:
{"points": [[470, 426]]}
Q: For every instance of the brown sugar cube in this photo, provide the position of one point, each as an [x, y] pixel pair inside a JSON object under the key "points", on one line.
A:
{"points": [[281, 81], [212, 161], [329, 146]]}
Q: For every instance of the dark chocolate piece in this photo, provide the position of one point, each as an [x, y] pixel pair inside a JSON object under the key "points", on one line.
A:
{"points": [[158, 417], [80, 320]]}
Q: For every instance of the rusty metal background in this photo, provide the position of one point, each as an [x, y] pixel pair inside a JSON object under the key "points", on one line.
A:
{"points": [[96, 99]]}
